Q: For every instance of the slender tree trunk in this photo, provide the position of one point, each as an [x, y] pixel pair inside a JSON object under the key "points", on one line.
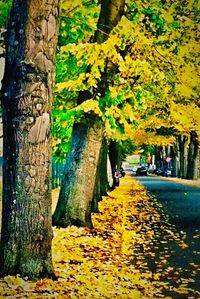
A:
{"points": [[115, 158], [27, 100], [104, 184], [175, 164], [198, 163], [74, 203], [101, 184], [163, 156], [97, 193], [158, 159], [192, 171], [183, 142], [110, 14], [97, 186], [109, 174], [115, 154], [178, 157]]}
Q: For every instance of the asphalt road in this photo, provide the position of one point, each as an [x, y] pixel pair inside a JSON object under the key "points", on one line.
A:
{"points": [[181, 204]]}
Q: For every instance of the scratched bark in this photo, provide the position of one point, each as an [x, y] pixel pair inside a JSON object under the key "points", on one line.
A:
{"points": [[27, 102]]}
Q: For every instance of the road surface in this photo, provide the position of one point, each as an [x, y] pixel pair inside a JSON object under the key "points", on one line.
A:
{"points": [[181, 204]]}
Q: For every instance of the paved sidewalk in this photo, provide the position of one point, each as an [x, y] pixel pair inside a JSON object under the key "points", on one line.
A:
{"points": [[195, 183]]}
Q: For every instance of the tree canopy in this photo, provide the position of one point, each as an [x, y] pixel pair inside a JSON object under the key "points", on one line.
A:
{"points": [[155, 52], [154, 79]]}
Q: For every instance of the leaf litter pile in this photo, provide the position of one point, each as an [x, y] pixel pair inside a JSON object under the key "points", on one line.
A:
{"points": [[126, 255]]}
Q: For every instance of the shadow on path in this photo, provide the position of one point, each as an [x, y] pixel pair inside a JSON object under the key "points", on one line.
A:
{"points": [[180, 205]]}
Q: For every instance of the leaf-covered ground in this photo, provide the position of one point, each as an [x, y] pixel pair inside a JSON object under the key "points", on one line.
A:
{"points": [[124, 256]]}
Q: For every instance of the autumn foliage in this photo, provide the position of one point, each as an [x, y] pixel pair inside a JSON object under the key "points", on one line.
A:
{"points": [[112, 260], [151, 88]]}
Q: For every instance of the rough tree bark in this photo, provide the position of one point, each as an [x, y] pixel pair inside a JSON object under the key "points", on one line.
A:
{"points": [[26, 101], [192, 172], [102, 180], [183, 143], [74, 206], [79, 176]]}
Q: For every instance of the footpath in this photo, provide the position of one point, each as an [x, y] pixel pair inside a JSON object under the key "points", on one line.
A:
{"points": [[126, 255], [195, 183]]}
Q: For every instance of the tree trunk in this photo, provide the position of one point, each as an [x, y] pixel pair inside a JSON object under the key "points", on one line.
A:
{"points": [[74, 203], [110, 15], [27, 101], [103, 182], [109, 174], [175, 160], [115, 158], [158, 158], [192, 171], [183, 142], [97, 186], [198, 163], [96, 193]]}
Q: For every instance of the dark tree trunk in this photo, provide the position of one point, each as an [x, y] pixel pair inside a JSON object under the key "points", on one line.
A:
{"points": [[192, 172], [96, 194], [97, 187], [198, 163], [110, 14], [102, 183], [158, 158], [115, 158], [27, 100], [74, 203], [175, 164], [182, 141]]}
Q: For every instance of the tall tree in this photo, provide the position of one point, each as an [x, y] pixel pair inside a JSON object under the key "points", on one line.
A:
{"points": [[27, 101], [75, 199], [104, 180], [192, 167], [115, 158]]}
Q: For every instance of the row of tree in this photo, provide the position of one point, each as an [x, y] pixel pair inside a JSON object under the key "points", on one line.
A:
{"points": [[140, 84], [124, 70], [184, 157], [152, 97]]}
